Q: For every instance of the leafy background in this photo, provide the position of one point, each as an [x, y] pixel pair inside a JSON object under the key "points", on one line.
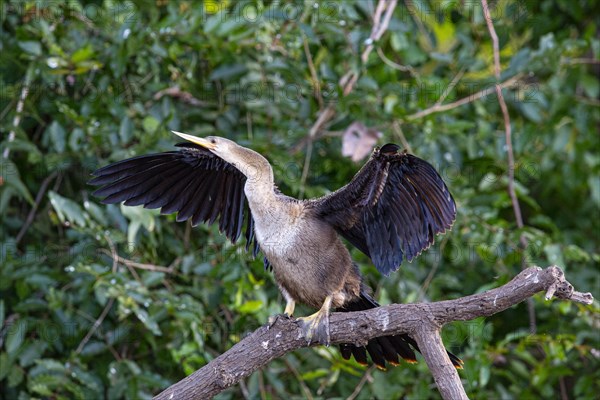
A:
{"points": [[108, 80]]}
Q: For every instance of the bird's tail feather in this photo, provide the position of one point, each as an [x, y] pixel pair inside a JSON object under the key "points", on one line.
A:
{"points": [[384, 348]]}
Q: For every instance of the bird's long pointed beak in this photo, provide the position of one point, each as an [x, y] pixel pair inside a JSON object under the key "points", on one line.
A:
{"points": [[194, 139]]}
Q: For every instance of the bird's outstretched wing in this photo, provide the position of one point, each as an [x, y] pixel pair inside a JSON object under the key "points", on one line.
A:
{"points": [[192, 182], [392, 209]]}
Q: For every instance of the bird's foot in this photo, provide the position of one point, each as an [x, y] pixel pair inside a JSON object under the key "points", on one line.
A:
{"points": [[274, 318], [316, 327], [287, 313]]}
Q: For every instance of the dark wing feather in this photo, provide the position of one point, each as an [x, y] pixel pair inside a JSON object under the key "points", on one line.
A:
{"points": [[392, 209], [192, 182]]}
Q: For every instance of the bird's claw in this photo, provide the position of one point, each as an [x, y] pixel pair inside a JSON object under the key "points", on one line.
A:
{"points": [[274, 318], [315, 328]]}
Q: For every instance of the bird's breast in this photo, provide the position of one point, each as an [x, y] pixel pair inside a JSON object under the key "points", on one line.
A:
{"points": [[309, 261], [278, 233]]}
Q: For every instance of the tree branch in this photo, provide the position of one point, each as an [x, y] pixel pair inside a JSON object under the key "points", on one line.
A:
{"points": [[509, 150], [438, 107], [435, 355], [423, 321], [38, 199], [19, 111]]}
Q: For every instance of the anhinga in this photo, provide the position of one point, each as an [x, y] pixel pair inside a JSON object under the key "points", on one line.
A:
{"points": [[391, 210]]}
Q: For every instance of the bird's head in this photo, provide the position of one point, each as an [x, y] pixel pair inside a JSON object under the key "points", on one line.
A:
{"points": [[221, 147], [249, 162]]}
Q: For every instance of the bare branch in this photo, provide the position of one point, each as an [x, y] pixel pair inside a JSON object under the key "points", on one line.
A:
{"points": [[419, 320], [400, 67], [177, 93], [109, 303], [313, 74], [415, 13], [435, 355], [36, 204], [465, 100], [19, 111], [451, 86], [366, 377], [400, 133], [148, 267], [567, 60], [96, 325], [509, 149], [507, 127]]}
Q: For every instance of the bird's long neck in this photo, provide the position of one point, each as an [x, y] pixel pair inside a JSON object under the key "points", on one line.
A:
{"points": [[260, 183]]}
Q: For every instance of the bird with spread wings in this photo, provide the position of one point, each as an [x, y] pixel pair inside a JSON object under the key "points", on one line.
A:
{"points": [[391, 211]]}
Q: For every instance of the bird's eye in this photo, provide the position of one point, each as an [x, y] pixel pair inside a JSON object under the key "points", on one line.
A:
{"points": [[213, 141]]}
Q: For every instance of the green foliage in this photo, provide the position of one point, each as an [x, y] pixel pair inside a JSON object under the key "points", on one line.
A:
{"points": [[108, 80]]}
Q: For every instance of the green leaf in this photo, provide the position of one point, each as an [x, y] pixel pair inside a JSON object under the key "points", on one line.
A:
{"points": [[93, 347], [576, 253], [67, 210], [150, 124], [316, 374], [554, 254], [31, 352], [95, 212], [251, 306], [591, 85], [82, 54], [126, 129], [132, 231], [57, 136], [31, 47], [139, 216], [76, 139], [594, 183], [227, 71], [153, 278], [45, 384], [532, 111], [48, 364], [15, 377], [484, 375], [56, 62], [147, 320], [11, 178], [5, 365], [15, 337]]}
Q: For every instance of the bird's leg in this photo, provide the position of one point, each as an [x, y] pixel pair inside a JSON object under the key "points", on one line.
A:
{"points": [[290, 305], [316, 327]]}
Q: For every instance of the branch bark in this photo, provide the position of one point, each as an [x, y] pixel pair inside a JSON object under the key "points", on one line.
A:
{"points": [[423, 321]]}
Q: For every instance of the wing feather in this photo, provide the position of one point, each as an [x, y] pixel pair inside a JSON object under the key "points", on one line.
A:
{"points": [[138, 181], [188, 208], [392, 209], [114, 172], [192, 182]]}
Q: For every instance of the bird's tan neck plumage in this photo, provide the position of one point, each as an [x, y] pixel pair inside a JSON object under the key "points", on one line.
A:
{"points": [[260, 183]]}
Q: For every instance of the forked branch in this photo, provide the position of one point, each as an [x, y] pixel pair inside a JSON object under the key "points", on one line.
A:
{"points": [[423, 321]]}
